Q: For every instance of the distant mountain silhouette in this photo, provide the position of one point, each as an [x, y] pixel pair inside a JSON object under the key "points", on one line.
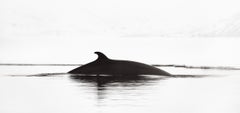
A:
{"points": [[226, 28]]}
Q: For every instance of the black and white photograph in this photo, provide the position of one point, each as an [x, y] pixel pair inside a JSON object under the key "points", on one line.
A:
{"points": [[119, 56]]}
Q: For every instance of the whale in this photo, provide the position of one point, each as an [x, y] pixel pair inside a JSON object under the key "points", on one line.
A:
{"points": [[106, 66]]}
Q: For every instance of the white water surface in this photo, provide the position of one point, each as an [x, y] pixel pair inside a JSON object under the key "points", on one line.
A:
{"points": [[25, 89]]}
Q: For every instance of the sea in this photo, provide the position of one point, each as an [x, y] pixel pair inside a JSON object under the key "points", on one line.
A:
{"points": [[49, 89]]}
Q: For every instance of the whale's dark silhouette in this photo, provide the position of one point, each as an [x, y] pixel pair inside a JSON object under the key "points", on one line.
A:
{"points": [[104, 65]]}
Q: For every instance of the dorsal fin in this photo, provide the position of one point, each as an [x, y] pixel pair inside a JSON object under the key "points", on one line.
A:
{"points": [[101, 56]]}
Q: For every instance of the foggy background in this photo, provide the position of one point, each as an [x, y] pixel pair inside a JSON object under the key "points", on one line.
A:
{"points": [[200, 32]]}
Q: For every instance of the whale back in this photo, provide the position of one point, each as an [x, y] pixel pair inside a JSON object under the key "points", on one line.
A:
{"points": [[104, 65]]}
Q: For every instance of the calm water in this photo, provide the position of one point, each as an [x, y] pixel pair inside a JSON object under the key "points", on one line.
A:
{"points": [[42, 89]]}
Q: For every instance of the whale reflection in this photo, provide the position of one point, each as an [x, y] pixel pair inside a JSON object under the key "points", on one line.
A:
{"points": [[104, 84]]}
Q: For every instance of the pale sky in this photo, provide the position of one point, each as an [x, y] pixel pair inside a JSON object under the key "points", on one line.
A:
{"points": [[124, 18], [69, 31]]}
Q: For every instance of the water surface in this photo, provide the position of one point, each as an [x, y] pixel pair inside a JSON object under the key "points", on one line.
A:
{"points": [[48, 89]]}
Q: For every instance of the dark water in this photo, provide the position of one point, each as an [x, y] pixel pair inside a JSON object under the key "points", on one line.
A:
{"points": [[48, 89]]}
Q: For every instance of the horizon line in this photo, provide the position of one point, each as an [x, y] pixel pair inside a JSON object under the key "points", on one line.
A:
{"points": [[155, 65]]}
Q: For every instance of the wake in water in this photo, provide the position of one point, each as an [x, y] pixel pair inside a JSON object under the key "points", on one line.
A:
{"points": [[155, 65], [40, 75], [106, 76]]}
